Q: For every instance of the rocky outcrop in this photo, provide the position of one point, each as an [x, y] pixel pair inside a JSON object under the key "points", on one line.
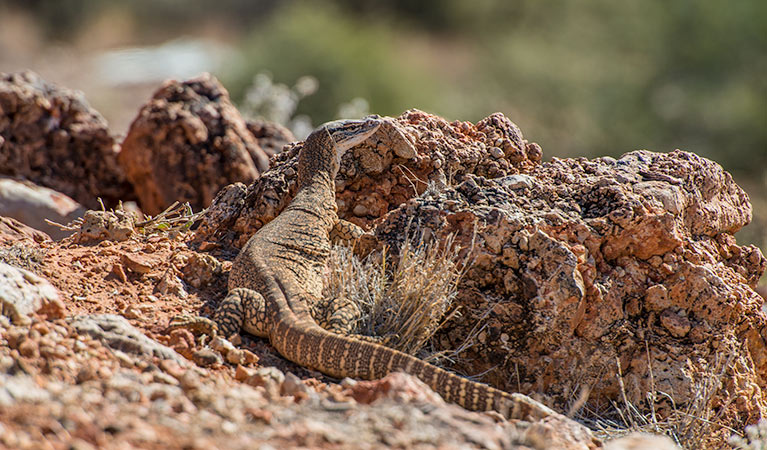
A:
{"points": [[586, 268], [583, 270], [188, 142], [52, 137]]}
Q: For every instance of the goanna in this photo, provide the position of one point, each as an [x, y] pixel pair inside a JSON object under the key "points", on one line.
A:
{"points": [[278, 275]]}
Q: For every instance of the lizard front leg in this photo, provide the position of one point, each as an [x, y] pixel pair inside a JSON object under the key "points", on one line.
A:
{"points": [[242, 309]]}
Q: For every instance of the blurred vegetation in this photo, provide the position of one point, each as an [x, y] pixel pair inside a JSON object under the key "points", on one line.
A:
{"points": [[581, 78]]}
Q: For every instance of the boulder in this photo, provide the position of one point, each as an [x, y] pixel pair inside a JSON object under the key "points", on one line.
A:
{"points": [[187, 143], [32, 205], [52, 137]]}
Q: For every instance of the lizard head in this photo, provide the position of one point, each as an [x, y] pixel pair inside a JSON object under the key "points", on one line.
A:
{"points": [[325, 146], [345, 134]]}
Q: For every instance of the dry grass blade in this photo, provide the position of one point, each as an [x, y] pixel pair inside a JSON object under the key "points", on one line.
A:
{"points": [[176, 218]]}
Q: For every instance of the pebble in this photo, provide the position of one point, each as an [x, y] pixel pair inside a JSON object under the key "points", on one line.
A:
{"points": [[29, 348], [206, 357]]}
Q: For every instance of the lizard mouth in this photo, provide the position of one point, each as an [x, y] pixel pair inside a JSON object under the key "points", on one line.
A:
{"points": [[353, 133]]}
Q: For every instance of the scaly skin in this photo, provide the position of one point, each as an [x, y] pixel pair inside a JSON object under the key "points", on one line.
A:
{"points": [[278, 274]]}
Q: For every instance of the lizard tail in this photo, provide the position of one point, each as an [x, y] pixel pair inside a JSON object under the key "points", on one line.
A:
{"points": [[339, 356]]}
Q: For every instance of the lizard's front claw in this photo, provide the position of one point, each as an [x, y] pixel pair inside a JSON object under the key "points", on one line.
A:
{"points": [[195, 324]]}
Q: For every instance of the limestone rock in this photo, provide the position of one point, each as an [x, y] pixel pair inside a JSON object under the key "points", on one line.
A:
{"points": [[23, 293], [188, 142], [588, 264], [51, 136], [117, 333], [97, 226]]}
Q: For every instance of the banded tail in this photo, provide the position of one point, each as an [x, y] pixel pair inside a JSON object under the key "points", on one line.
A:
{"points": [[305, 343]]}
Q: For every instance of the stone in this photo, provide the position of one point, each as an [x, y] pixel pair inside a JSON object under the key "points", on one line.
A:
{"points": [[117, 333], [23, 293], [12, 231], [97, 226], [187, 143], [32, 205], [50, 136]]}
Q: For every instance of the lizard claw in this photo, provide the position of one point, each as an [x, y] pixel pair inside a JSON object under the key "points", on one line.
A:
{"points": [[195, 324]]}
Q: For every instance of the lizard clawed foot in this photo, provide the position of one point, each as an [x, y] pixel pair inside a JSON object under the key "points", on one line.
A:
{"points": [[195, 324]]}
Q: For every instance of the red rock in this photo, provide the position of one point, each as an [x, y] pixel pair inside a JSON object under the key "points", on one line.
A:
{"points": [[52, 137], [188, 142]]}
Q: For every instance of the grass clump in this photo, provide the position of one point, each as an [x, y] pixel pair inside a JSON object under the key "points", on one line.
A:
{"points": [[402, 299]]}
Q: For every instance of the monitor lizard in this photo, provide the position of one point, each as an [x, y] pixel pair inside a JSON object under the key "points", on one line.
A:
{"points": [[278, 275]]}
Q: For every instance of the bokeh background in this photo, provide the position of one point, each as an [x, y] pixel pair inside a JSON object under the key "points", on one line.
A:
{"points": [[591, 78]]}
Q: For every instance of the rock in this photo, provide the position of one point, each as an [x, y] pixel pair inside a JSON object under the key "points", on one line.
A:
{"points": [[52, 137], [542, 427], [293, 386], [23, 293], [206, 357], [397, 386], [201, 270], [586, 262], [270, 378], [32, 204], [187, 143], [20, 388], [13, 231], [97, 226], [115, 332], [138, 263], [271, 137], [642, 441]]}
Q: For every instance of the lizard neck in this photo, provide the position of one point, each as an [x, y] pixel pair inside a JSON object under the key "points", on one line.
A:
{"points": [[318, 163], [317, 169]]}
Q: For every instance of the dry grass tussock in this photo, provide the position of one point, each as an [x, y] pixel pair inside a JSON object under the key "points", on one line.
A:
{"points": [[697, 425], [405, 299]]}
